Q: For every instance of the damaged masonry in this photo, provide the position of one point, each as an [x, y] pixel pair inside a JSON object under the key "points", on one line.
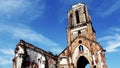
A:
{"points": [[29, 56], [82, 47]]}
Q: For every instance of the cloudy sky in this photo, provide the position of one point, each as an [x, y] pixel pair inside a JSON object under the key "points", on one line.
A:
{"points": [[43, 24]]}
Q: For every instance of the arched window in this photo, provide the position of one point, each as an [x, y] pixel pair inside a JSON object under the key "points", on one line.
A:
{"points": [[77, 16], [81, 48], [79, 32]]}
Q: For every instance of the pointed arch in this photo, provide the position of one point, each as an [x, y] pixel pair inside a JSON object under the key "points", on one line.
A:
{"points": [[82, 62]]}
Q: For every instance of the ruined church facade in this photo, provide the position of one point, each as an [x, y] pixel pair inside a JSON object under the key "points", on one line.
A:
{"points": [[82, 47]]}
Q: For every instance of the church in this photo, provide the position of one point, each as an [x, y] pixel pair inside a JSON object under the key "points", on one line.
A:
{"points": [[82, 47]]}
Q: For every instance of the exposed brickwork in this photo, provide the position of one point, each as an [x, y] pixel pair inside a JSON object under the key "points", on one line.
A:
{"points": [[82, 47], [81, 41], [29, 56]]}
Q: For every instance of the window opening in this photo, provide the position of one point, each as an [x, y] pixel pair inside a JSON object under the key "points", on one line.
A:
{"points": [[77, 17], [71, 24], [81, 48], [80, 41], [79, 32]]}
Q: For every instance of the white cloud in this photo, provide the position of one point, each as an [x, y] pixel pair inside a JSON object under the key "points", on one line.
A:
{"points": [[56, 50], [11, 5], [21, 10], [106, 38], [5, 61], [24, 32], [117, 29], [6, 56], [112, 41], [113, 45], [113, 7], [7, 51]]}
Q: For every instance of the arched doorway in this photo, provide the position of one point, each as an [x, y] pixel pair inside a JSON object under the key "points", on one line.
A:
{"points": [[87, 66], [82, 62]]}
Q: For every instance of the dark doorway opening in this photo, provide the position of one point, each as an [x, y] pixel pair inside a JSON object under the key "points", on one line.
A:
{"points": [[82, 62]]}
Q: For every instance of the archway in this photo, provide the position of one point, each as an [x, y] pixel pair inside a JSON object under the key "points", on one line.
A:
{"points": [[87, 66], [82, 62]]}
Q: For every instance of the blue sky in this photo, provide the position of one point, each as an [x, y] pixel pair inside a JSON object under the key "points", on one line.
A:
{"points": [[43, 23]]}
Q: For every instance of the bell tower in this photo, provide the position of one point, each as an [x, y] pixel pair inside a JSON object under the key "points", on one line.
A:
{"points": [[82, 47], [79, 23]]}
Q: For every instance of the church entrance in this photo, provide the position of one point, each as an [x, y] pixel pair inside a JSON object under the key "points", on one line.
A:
{"points": [[82, 62]]}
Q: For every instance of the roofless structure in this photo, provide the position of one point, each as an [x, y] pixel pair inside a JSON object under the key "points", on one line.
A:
{"points": [[82, 47]]}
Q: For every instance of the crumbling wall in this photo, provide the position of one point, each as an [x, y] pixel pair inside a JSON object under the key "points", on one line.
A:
{"points": [[29, 56]]}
